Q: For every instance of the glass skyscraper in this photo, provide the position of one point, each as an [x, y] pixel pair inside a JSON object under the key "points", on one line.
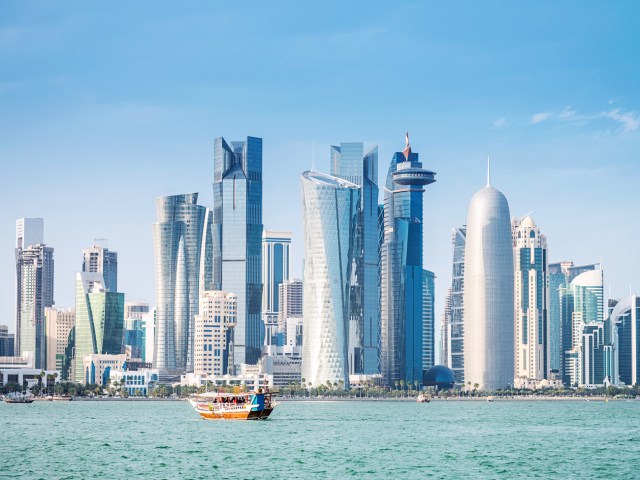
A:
{"points": [[625, 320], [99, 259], [34, 288], [99, 325], [428, 314], [237, 238], [349, 162], [401, 269], [275, 271], [182, 240], [531, 303], [454, 318], [330, 211]]}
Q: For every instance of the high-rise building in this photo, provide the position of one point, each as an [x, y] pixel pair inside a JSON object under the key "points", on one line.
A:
{"points": [[275, 267], [625, 320], [182, 243], [99, 259], [531, 290], [428, 314], [488, 291], [349, 162], [290, 301], [454, 323], [99, 320], [401, 269], [330, 209], [7, 342], [136, 309], [445, 331], [34, 285], [237, 246], [581, 304], [59, 326], [136, 316], [214, 333]]}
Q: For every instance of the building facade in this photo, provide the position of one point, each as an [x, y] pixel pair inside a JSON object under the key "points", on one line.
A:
{"points": [[349, 162], [428, 319], [7, 342], [330, 209], [59, 326], [34, 288], [214, 333], [401, 269], [182, 249], [531, 288], [99, 327], [95, 369], [237, 252], [275, 267], [99, 259], [625, 321], [488, 291], [455, 323]]}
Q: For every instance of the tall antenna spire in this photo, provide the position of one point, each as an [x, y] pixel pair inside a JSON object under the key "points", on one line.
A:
{"points": [[313, 155], [488, 171]]}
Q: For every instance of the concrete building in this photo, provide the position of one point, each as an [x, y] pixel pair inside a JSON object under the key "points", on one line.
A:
{"points": [[7, 342], [60, 343], [214, 333], [99, 259], [488, 291], [137, 383], [531, 290], [96, 368], [290, 300], [428, 320], [22, 371]]}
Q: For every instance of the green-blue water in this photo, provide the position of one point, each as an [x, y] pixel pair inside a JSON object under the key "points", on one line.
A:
{"points": [[318, 440]]}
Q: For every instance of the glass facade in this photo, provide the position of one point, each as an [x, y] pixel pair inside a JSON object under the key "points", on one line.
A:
{"points": [[428, 315], [99, 325], [181, 240], [625, 323], [401, 302], [275, 271], [330, 211], [237, 238], [34, 283], [349, 162], [455, 323]]}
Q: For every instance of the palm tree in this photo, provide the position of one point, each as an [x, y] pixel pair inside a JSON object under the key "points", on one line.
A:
{"points": [[397, 384], [402, 387], [415, 384], [475, 387]]}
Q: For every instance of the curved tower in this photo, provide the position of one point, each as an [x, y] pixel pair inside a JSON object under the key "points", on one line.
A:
{"points": [[401, 298], [488, 291], [330, 207]]}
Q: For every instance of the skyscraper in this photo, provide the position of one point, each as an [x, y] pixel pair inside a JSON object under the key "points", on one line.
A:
{"points": [[428, 316], [488, 291], [180, 239], [275, 270], [99, 325], [456, 305], [625, 319], [7, 342], [99, 259], [531, 303], [60, 323], [330, 210], [34, 288], [401, 269], [237, 238], [214, 333], [349, 162]]}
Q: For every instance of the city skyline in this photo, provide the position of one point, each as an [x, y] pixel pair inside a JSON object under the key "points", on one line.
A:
{"points": [[567, 142]]}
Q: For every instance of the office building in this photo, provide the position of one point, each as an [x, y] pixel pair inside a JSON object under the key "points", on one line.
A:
{"points": [[445, 331], [275, 267], [531, 290], [625, 321], [454, 321], [136, 316], [350, 162], [214, 325], [60, 343], [99, 259], [99, 321], [401, 269], [330, 209], [182, 244], [488, 291], [137, 383], [34, 288], [95, 369], [7, 342], [237, 246], [428, 317], [290, 301]]}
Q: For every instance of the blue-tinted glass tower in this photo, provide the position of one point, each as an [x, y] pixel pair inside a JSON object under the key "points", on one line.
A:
{"points": [[349, 163], [401, 269], [237, 238]]}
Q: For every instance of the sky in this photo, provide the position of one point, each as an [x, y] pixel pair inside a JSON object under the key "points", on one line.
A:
{"points": [[105, 106]]}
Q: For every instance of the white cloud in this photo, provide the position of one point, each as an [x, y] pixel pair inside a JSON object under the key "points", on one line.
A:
{"points": [[500, 122], [567, 113], [630, 121], [540, 117]]}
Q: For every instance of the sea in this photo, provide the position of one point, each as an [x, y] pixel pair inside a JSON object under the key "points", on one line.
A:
{"points": [[323, 440]]}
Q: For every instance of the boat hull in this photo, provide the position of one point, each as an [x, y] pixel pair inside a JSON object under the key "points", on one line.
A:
{"points": [[238, 415]]}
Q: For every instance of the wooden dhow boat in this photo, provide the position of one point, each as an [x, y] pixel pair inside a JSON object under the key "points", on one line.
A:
{"points": [[17, 397], [233, 406]]}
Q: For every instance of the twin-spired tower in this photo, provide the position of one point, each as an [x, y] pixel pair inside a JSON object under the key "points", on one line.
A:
{"points": [[488, 291]]}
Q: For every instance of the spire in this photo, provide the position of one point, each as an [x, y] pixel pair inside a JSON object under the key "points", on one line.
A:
{"points": [[407, 148], [488, 171]]}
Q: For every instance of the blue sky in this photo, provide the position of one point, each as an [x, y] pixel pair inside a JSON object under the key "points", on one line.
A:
{"points": [[106, 105]]}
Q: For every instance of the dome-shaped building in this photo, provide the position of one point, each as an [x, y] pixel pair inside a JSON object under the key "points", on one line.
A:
{"points": [[488, 291], [440, 377]]}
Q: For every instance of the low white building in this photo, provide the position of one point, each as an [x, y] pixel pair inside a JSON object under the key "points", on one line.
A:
{"points": [[251, 377], [137, 382], [19, 369], [97, 368]]}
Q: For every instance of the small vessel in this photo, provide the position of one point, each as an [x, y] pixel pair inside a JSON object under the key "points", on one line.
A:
{"points": [[233, 406], [423, 398], [62, 398], [17, 397], [490, 399]]}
